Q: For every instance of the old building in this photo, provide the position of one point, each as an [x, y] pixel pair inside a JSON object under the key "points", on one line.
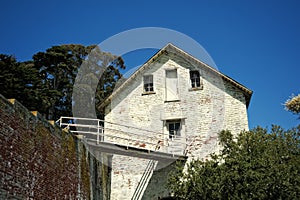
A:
{"points": [[175, 104]]}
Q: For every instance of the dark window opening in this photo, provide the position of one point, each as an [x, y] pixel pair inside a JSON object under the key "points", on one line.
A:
{"points": [[174, 129], [195, 79], [148, 83]]}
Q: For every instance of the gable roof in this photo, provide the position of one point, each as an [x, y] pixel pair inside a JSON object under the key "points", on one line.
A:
{"points": [[172, 48]]}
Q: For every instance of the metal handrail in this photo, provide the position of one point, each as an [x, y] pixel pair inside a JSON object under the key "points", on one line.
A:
{"points": [[136, 137], [121, 125]]}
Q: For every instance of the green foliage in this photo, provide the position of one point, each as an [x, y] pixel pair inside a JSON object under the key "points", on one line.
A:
{"points": [[46, 83], [58, 68], [89, 84], [19, 80], [255, 165]]}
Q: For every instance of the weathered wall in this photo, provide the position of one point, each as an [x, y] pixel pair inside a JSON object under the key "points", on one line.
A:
{"points": [[156, 188], [204, 112], [126, 173], [218, 105], [39, 161]]}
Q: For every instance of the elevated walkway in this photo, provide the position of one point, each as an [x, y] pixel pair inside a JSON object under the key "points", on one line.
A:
{"points": [[125, 140]]}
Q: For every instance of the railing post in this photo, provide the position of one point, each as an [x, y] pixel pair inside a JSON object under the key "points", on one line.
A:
{"points": [[60, 121], [102, 133], [98, 136]]}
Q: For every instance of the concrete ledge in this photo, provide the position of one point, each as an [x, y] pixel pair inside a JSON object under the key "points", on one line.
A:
{"points": [[131, 151]]}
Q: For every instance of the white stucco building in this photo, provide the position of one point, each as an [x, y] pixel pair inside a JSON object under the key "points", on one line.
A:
{"points": [[180, 104]]}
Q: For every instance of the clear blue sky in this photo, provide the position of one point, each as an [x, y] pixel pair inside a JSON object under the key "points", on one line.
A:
{"points": [[256, 43]]}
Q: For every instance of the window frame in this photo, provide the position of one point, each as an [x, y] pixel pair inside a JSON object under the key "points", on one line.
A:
{"points": [[195, 79], [177, 132], [148, 84], [195, 82], [177, 92]]}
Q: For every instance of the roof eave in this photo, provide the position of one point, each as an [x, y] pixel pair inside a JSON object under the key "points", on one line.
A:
{"points": [[247, 92]]}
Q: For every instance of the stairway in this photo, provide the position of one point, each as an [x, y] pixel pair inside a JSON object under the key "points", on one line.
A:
{"points": [[140, 189]]}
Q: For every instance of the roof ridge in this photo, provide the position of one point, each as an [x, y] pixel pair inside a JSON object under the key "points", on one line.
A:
{"points": [[165, 49]]}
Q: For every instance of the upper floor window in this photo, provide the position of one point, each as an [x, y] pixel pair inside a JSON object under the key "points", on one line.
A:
{"points": [[174, 128], [195, 79], [148, 83]]}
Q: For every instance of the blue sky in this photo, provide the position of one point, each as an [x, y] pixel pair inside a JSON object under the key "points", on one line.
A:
{"points": [[256, 43]]}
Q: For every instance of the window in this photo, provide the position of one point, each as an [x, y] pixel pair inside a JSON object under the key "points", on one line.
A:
{"points": [[173, 128], [148, 83], [195, 79]]}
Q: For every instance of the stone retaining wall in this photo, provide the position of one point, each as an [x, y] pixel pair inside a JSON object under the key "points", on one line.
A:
{"points": [[40, 161]]}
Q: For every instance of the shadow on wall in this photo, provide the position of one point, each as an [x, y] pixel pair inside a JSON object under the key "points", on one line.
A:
{"points": [[157, 187]]}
